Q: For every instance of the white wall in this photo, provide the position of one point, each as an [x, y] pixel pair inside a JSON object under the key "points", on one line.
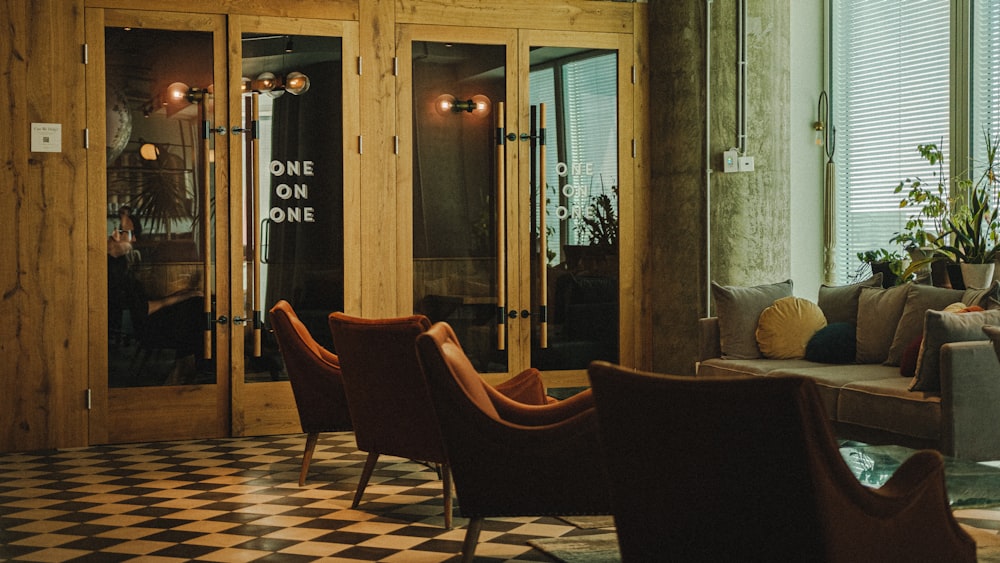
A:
{"points": [[807, 160]]}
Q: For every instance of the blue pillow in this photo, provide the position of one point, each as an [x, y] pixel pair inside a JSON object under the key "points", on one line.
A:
{"points": [[833, 344]]}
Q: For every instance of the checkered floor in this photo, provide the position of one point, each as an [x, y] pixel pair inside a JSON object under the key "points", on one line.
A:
{"points": [[235, 500]]}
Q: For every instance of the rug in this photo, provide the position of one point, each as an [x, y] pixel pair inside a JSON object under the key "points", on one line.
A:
{"points": [[590, 522], [597, 548]]}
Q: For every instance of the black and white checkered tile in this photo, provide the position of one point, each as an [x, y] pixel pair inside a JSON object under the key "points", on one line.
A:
{"points": [[237, 500]]}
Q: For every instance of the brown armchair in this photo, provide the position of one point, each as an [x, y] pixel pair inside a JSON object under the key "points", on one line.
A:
{"points": [[727, 469], [388, 397], [314, 373], [509, 458]]}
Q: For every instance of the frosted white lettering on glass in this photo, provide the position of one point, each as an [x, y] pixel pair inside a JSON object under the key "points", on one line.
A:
{"points": [[573, 194], [292, 192]]}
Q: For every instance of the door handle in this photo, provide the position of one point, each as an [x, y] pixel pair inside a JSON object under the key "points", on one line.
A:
{"points": [[224, 320], [240, 320]]}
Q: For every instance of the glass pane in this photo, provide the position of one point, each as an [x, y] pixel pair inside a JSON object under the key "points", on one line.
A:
{"points": [[159, 83], [294, 83], [578, 90], [455, 87]]}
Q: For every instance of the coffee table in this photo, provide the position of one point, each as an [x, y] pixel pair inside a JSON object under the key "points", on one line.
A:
{"points": [[969, 484]]}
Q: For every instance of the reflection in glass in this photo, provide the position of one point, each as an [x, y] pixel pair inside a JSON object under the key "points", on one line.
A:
{"points": [[579, 91], [294, 232], [156, 215], [454, 192]]}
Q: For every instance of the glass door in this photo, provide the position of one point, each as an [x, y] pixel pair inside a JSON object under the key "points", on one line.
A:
{"points": [[165, 162], [501, 121], [295, 172], [218, 198]]}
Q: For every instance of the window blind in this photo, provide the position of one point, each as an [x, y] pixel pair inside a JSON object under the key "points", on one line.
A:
{"points": [[890, 93], [985, 79]]}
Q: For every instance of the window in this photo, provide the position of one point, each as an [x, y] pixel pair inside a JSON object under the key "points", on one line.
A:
{"points": [[890, 92], [581, 95], [985, 76]]}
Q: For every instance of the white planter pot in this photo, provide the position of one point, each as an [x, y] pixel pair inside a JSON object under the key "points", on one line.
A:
{"points": [[977, 276]]}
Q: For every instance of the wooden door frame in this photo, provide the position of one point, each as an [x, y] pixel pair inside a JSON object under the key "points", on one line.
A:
{"points": [[138, 413], [517, 109], [268, 407]]}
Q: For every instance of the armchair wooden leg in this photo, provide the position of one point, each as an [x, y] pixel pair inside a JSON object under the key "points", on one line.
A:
{"points": [[471, 539], [446, 485], [307, 455], [366, 474]]}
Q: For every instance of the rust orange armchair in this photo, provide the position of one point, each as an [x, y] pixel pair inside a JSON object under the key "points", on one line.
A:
{"points": [[388, 397], [747, 469], [316, 381], [509, 458]]}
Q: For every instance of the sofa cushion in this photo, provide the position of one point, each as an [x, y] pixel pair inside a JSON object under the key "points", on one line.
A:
{"points": [[738, 309], [941, 328], [879, 311], [887, 404], [830, 379], [785, 327], [840, 303], [908, 363], [919, 298], [758, 366], [833, 344]]}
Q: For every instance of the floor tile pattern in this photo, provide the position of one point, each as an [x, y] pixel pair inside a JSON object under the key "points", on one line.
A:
{"points": [[238, 499], [235, 500]]}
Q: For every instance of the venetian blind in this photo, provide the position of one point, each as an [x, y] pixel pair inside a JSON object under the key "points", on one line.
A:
{"points": [[985, 79], [890, 92]]}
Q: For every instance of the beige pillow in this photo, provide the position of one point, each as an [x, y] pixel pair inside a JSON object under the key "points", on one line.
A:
{"points": [[738, 309], [840, 302], [879, 311], [785, 328]]}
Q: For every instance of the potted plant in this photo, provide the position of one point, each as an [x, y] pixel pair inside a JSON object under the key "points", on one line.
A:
{"points": [[973, 230], [922, 233], [892, 264]]}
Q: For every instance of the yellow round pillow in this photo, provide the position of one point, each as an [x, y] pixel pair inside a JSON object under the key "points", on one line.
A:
{"points": [[785, 327]]}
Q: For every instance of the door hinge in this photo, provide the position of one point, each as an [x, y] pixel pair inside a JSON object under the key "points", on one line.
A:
{"points": [[633, 74], [359, 66], [633, 148], [85, 54], [395, 141], [86, 138], [89, 399], [395, 66], [361, 144]]}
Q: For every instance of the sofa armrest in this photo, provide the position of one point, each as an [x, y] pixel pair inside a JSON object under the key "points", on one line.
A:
{"points": [[708, 339], [970, 400]]}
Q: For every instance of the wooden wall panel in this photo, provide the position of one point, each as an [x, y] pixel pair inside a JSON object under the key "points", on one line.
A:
{"points": [[46, 333], [564, 15], [44, 304], [379, 237]]}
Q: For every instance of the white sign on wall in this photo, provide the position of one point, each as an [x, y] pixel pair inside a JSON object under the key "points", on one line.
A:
{"points": [[46, 137]]}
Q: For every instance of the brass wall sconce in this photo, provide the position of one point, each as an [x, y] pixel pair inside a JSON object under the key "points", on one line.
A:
{"points": [[295, 83], [478, 105]]}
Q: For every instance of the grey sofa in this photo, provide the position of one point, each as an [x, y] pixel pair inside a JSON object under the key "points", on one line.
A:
{"points": [[871, 403]]}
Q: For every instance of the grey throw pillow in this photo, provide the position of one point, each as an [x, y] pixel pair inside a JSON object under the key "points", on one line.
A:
{"points": [[840, 302], [738, 309], [939, 329], [919, 298], [878, 314]]}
